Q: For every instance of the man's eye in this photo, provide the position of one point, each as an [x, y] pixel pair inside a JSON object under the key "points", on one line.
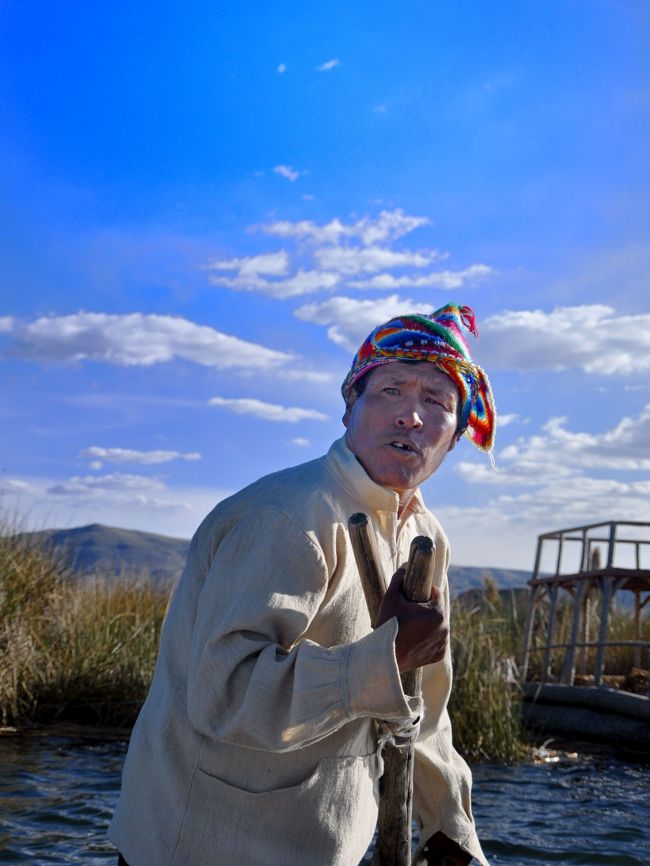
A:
{"points": [[391, 391]]}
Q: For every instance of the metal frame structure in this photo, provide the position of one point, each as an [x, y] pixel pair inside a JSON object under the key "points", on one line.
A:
{"points": [[596, 574]]}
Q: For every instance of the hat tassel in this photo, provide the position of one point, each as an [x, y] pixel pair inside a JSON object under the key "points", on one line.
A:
{"points": [[468, 318]]}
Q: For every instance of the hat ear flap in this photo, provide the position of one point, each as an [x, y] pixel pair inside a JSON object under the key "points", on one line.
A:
{"points": [[481, 427]]}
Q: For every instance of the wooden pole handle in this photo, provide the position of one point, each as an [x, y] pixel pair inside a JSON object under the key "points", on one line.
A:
{"points": [[364, 546], [419, 570], [417, 587]]}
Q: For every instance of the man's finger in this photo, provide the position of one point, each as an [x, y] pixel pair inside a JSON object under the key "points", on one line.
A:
{"points": [[397, 582]]}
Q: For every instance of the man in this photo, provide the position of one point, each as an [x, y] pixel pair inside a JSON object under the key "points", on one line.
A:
{"points": [[256, 745]]}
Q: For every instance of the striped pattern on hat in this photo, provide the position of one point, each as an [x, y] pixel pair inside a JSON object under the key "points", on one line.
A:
{"points": [[437, 338]]}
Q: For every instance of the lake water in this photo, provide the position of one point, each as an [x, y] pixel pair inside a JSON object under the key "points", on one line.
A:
{"points": [[57, 794]]}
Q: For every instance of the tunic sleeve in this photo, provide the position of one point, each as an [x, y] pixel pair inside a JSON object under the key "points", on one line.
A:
{"points": [[252, 680]]}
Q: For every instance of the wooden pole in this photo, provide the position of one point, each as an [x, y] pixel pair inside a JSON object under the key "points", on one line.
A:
{"points": [[637, 626], [393, 847], [607, 591], [528, 630], [546, 672], [364, 546], [569, 667]]}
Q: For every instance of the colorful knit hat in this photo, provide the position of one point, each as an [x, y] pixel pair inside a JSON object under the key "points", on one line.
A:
{"points": [[436, 338]]}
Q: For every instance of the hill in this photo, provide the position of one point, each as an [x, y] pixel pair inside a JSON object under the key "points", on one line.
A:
{"points": [[106, 551], [110, 552]]}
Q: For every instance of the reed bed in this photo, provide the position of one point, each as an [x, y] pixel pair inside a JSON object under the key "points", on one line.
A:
{"points": [[486, 701], [85, 652], [619, 660], [68, 651]]}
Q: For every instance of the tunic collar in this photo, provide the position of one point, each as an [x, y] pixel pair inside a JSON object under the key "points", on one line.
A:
{"points": [[354, 478]]}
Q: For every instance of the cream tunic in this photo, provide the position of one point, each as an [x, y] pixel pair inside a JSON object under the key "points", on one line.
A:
{"points": [[256, 746]]}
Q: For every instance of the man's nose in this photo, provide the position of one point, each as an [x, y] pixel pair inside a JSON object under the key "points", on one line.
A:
{"points": [[409, 418]]}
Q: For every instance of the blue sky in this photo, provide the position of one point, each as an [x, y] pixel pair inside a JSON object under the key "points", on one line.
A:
{"points": [[206, 207]]}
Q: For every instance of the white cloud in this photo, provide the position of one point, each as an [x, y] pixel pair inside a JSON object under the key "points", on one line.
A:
{"points": [[561, 478], [136, 339], [504, 531], [304, 230], [591, 337], [15, 486], [328, 65], [435, 280], [351, 320], [357, 255], [303, 282], [129, 455], [355, 260], [591, 501], [300, 374], [269, 264], [129, 501], [506, 420], [267, 411], [288, 172], [388, 226], [282, 68], [300, 442], [624, 447], [96, 485]]}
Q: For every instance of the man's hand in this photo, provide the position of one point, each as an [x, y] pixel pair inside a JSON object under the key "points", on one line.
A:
{"points": [[442, 851], [423, 629]]}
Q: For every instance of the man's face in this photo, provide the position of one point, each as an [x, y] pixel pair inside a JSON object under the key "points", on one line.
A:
{"points": [[403, 424]]}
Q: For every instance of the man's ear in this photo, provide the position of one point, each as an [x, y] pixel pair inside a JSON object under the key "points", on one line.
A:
{"points": [[348, 408], [453, 443]]}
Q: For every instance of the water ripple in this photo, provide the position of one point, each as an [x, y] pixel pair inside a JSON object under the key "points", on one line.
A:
{"points": [[57, 794], [595, 811]]}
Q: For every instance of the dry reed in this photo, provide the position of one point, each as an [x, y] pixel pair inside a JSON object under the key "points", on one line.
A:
{"points": [[69, 651], [86, 652], [485, 704]]}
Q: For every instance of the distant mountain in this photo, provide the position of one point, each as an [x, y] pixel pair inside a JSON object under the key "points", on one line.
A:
{"points": [[463, 578], [106, 551], [110, 552]]}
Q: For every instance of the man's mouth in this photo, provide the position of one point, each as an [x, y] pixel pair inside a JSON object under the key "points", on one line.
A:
{"points": [[404, 447]]}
